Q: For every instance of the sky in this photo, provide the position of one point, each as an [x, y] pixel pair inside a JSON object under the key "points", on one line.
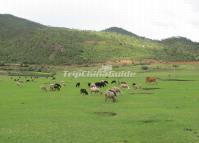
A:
{"points": [[155, 19]]}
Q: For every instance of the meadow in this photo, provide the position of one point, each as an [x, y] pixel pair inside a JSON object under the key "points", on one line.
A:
{"points": [[165, 112]]}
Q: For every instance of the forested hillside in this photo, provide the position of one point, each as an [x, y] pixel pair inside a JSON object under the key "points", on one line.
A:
{"points": [[24, 41]]}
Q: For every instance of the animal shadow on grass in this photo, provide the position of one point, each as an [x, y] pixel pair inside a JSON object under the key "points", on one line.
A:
{"points": [[123, 141], [106, 114], [153, 121], [144, 93], [176, 80], [151, 88]]}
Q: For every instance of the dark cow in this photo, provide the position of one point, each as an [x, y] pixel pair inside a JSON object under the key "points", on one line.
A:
{"points": [[105, 81], [100, 84], [77, 84], [54, 87], [89, 84], [114, 81], [83, 92], [57, 86]]}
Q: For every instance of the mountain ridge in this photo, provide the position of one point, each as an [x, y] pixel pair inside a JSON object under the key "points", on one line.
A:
{"points": [[25, 41]]}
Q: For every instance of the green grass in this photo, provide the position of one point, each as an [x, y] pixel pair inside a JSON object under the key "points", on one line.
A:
{"points": [[28, 115]]}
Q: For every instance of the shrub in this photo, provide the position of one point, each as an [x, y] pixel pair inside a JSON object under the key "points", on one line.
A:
{"points": [[175, 66], [2, 64], [24, 65], [116, 66], [144, 67]]}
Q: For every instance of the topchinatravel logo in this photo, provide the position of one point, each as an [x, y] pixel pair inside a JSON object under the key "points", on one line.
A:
{"points": [[104, 71]]}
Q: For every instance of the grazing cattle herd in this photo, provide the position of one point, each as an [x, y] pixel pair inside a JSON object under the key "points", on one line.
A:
{"points": [[93, 88]]}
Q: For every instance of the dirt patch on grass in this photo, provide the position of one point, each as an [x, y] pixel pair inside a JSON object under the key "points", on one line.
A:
{"points": [[184, 63], [153, 61], [121, 62], [106, 113]]}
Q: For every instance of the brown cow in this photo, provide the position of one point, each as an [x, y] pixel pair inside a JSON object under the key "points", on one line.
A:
{"points": [[124, 86], [52, 87], [116, 90], [110, 95], [151, 79]]}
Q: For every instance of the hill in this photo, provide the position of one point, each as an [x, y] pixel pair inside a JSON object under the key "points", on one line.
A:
{"points": [[12, 26], [120, 31], [178, 49], [24, 41]]}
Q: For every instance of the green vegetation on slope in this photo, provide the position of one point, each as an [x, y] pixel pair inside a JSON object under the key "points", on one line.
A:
{"points": [[11, 26], [120, 31], [23, 41], [179, 49]]}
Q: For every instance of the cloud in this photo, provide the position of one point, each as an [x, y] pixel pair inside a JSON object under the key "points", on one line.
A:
{"points": [[156, 19], [194, 4]]}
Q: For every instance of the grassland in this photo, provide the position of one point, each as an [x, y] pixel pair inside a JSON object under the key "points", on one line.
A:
{"points": [[166, 112]]}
